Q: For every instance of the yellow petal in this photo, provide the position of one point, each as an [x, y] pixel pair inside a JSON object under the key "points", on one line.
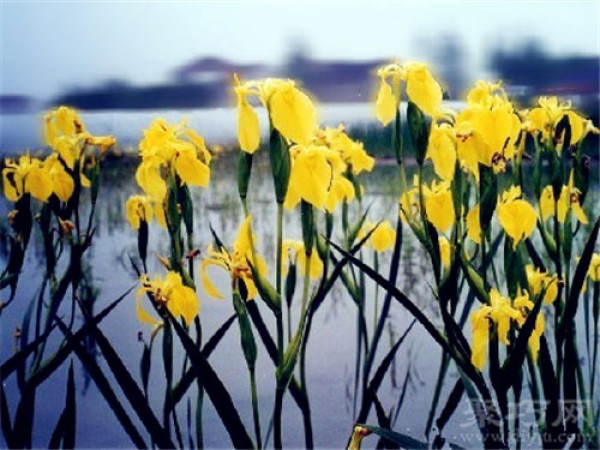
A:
{"points": [[143, 316], [191, 170], [184, 303], [39, 183], [439, 208], [12, 185], [518, 219], [442, 152], [149, 179], [473, 225], [386, 104], [293, 114], [209, 287], [248, 128], [423, 90], [384, 237], [445, 250]]}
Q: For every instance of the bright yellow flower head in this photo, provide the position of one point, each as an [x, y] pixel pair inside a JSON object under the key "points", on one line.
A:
{"points": [[487, 129], [173, 148], [314, 168], [422, 89], [539, 281], [442, 150], [351, 152], [62, 122], [291, 111], [516, 216], [295, 252], [341, 190], [180, 300], [63, 184], [28, 176], [568, 201], [502, 313], [544, 119], [382, 239], [409, 202], [235, 263], [139, 209], [439, 205]]}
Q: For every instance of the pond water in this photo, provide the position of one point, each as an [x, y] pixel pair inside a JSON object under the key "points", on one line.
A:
{"points": [[332, 345]]}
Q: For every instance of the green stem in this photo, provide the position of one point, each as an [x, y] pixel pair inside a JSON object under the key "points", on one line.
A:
{"points": [[255, 413]]}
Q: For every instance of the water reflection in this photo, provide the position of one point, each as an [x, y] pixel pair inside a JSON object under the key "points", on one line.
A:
{"points": [[108, 273]]}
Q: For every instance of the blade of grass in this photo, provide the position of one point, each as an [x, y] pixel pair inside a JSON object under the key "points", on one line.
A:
{"points": [[106, 389], [215, 390]]}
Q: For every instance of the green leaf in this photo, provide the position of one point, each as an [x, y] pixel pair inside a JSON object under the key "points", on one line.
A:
{"points": [[419, 127], [246, 336], [243, 173], [578, 280], [514, 361], [451, 404], [266, 290], [488, 194], [132, 391], [279, 156], [104, 386], [290, 284], [380, 373], [180, 389], [215, 389]]}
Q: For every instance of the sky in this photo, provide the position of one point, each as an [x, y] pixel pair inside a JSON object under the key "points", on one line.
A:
{"points": [[49, 46]]}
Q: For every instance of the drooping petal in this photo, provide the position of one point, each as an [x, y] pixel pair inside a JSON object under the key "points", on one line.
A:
{"points": [[293, 114], [209, 287], [386, 105], [473, 225], [248, 128], [518, 219], [39, 183], [191, 170]]}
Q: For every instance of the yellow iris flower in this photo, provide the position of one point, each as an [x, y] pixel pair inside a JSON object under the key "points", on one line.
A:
{"points": [[352, 152], [421, 87], [487, 129], [544, 119], [568, 201], [235, 263], [439, 205], [174, 148], [139, 208], [291, 111], [28, 176], [382, 239], [538, 281], [180, 300], [295, 252], [500, 312], [314, 177], [62, 183], [516, 216]]}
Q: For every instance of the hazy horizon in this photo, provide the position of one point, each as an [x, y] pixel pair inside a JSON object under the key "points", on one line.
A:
{"points": [[48, 47]]}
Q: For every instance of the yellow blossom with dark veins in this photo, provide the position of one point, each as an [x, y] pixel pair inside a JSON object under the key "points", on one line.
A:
{"points": [[27, 176], [180, 300]]}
